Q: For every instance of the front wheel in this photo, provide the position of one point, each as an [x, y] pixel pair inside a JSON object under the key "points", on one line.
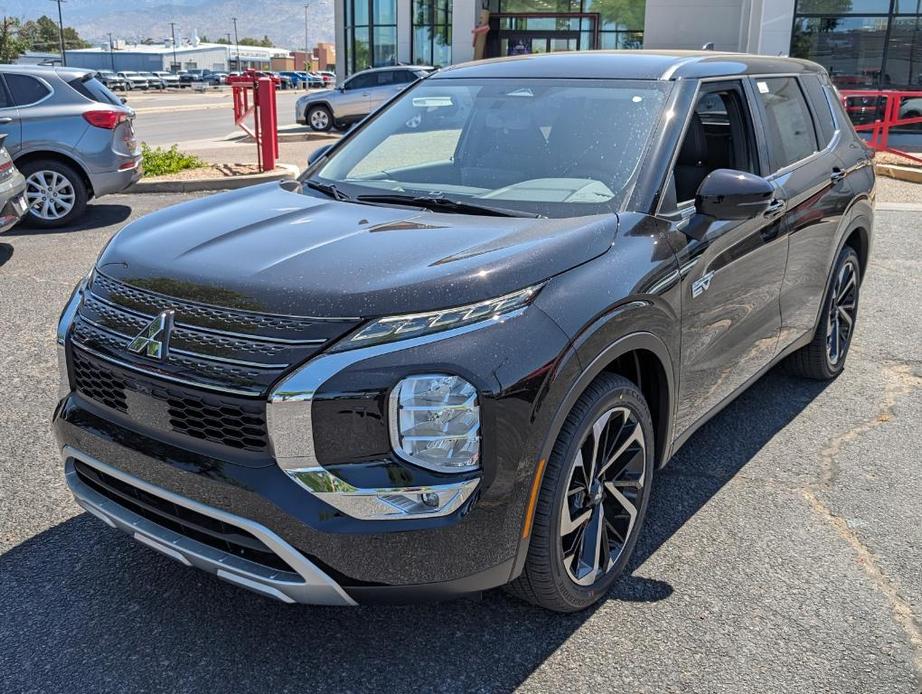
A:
{"points": [[824, 357], [320, 118], [593, 499]]}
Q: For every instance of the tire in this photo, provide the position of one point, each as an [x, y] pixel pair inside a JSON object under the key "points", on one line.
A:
{"points": [[56, 193], [824, 358], [553, 577], [320, 118]]}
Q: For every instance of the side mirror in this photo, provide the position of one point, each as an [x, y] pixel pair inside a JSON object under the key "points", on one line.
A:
{"points": [[730, 194], [341, 88], [317, 154]]}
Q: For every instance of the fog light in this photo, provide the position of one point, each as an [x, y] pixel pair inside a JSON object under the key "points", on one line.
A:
{"points": [[429, 499], [435, 423]]}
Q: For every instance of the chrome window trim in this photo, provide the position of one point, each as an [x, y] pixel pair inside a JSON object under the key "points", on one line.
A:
{"points": [[316, 587]]}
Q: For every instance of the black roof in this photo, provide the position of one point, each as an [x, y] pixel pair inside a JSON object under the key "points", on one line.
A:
{"points": [[630, 64]]}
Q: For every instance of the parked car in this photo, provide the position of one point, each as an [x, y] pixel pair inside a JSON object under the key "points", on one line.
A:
{"points": [[539, 310], [329, 78], [134, 79], [284, 82], [12, 190], [169, 79], [112, 80], [207, 77], [154, 81], [314, 81], [249, 76], [217, 78], [296, 79], [356, 98], [70, 136]]}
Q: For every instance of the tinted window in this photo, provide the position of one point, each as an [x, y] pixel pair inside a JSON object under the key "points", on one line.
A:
{"points": [[362, 81], [387, 77], [825, 123], [404, 76], [94, 90], [787, 120], [4, 99], [25, 90]]}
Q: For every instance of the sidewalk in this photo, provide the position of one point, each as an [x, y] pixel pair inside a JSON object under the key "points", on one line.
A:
{"points": [[223, 151]]}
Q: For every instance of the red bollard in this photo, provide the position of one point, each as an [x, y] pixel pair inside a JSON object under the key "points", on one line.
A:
{"points": [[268, 123]]}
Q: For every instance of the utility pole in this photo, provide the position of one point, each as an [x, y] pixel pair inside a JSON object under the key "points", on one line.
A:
{"points": [[306, 68], [111, 54], [175, 67], [61, 31], [237, 44]]}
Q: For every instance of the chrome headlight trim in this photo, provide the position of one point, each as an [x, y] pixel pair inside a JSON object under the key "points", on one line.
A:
{"points": [[64, 322]]}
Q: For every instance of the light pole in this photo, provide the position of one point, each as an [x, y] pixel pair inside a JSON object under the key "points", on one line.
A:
{"points": [[175, 67], [306, 68], [237, 44], [61, 31], [111, 54]]}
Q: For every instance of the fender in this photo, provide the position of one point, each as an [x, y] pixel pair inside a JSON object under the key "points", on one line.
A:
{"points": [[633, 341]]}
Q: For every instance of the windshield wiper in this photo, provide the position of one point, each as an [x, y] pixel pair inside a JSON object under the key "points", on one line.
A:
{"points": [[443, 204], [327, 189]]}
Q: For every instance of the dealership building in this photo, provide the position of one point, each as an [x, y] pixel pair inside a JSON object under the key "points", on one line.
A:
{"points": [[862, 43]]}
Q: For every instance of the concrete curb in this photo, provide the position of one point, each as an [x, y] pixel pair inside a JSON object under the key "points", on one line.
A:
{"points": [[296, 136], [281, 172], [902, 173]]}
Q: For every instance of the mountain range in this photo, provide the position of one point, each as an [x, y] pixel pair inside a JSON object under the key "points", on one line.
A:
{"points": [[135, 20]]}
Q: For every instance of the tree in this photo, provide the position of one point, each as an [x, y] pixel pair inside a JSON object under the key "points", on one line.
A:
{"points": [[11, 44], [264, 42], [42, 34]]}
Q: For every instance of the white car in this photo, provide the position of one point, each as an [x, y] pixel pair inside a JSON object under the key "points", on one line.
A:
{"points": [[134, 79], [169, 78]]}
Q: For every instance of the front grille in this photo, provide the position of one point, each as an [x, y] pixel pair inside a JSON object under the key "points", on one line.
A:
{"points": [[196, 526], [221, 349], [235, 422]]}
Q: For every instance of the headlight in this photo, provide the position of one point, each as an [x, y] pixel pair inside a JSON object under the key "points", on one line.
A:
{"points": [[435, 422], [414, 325]]}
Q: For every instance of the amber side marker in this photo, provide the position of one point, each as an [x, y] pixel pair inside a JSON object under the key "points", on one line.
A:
{"points": [[533, 500]]}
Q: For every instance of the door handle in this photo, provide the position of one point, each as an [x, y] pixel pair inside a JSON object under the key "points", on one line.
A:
{"points": [[5, 119], [775, 207], [838, 175]]}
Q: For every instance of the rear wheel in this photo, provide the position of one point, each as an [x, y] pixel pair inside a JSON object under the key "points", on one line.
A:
{"points": [[320, 118], [55, 193], [824, 357], [593, 499]]}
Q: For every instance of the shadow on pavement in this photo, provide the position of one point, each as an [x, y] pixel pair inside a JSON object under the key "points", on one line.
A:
{"points": [[6, 252], [97, 215], [85, 607]]}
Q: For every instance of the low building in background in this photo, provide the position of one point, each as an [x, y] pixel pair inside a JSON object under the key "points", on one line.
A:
{"points": [[868, 44], [198, 56]]}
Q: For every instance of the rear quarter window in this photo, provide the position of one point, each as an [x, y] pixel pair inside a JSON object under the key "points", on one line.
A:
{"points": [[26, 89], [94, 90], [825, 121]]}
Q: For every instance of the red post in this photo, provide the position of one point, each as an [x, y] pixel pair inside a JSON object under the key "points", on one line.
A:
{"points": [[268, 123]]}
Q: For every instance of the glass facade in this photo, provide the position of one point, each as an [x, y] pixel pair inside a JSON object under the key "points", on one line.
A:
{"points": [[371, 34], [864, 44], [541, 26], [431, 32]]}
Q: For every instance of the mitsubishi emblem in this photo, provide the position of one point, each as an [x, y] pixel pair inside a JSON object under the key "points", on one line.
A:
{"points": [[154, 340]]}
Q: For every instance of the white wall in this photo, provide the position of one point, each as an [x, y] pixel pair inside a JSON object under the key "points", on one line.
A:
{"points": [[463, 19]]}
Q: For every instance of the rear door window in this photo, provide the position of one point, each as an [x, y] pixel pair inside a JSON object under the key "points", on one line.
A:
{"points": [[788, 125], [361, 82], [26, 89]]}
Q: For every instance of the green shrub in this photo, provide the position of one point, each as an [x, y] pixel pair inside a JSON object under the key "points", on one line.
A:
{"points": [[159, 162]]}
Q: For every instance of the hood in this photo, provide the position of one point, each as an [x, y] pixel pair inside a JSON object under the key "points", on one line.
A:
{"points": [[320, 94], [271, 249]]}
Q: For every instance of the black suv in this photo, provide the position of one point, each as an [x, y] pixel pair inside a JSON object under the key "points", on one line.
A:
{"points": [[454, 353]]}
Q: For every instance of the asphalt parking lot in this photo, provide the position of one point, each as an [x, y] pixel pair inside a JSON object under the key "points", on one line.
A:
{"points": [[782, 550]]}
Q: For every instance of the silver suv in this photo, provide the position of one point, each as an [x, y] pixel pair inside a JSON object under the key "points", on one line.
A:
{"points": [[69, 135], [356, 97]]}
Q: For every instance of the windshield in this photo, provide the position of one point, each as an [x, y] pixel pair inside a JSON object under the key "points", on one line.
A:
{"points": [[558, 148]]}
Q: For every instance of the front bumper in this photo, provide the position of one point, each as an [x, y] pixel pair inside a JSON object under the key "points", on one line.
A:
{"points": [[305, 583]]}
